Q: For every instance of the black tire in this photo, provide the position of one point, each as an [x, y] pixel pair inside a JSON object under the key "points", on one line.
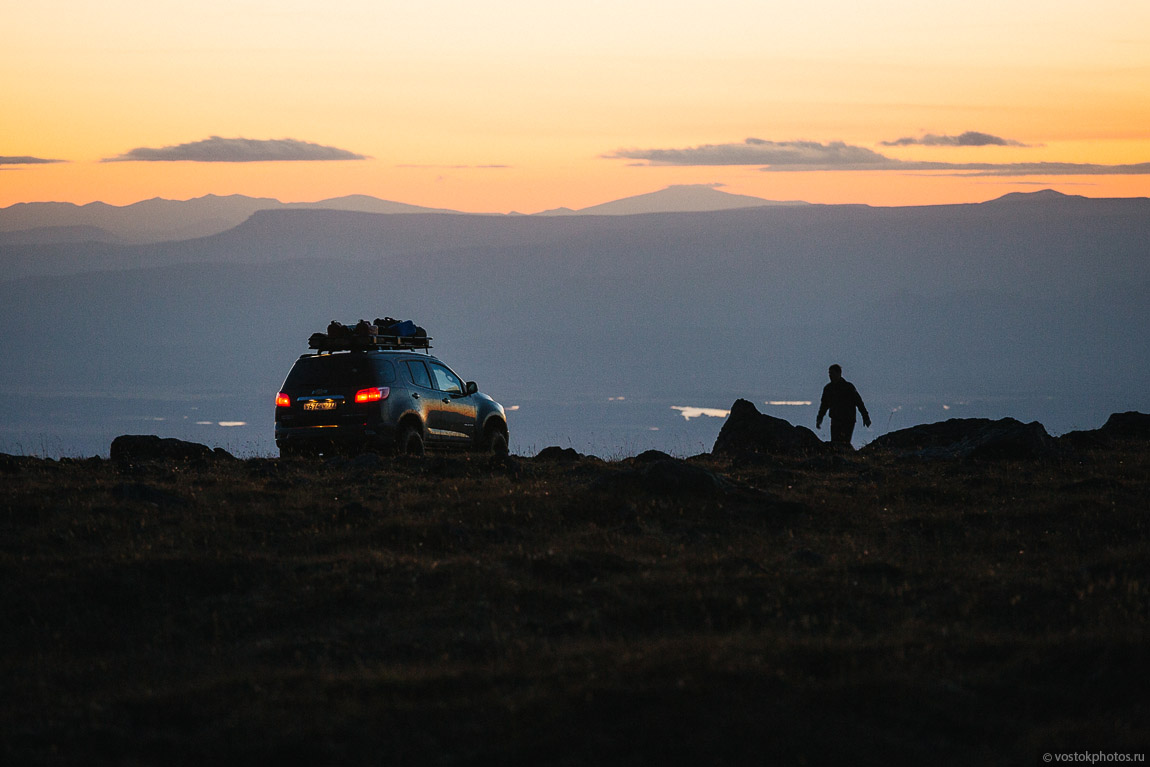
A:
{"points": [[496, 442], [410, 441]]}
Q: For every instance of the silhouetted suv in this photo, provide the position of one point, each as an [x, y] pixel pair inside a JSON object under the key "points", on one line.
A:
{"points": [[373, 399]]}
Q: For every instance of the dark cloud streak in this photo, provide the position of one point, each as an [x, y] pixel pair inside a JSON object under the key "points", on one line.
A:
{"points": [[26, 161], [217, 149], [968, 138], [754, 151], [1044, 169], [809, 156]]}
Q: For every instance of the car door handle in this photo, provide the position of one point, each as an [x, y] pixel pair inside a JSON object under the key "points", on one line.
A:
{"points": [[415, 395], [447, 400]]}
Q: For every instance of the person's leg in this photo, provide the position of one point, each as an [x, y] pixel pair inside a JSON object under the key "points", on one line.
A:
{"points": [[842, 431]]}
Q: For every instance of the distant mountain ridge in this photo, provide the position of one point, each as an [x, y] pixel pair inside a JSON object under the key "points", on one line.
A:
{"points": [[160, 220], [1045, 195], [362, 231], [678, 198]]}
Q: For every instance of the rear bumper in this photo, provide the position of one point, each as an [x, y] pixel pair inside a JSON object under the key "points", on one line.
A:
{"points": [[342, 435]]}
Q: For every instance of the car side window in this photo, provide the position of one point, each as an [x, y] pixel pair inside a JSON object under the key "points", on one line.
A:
{"points": [[445, 380], [418, 374], [385, 371]]}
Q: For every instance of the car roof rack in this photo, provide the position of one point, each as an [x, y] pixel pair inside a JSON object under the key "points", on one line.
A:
{"points": [[322, 342]]}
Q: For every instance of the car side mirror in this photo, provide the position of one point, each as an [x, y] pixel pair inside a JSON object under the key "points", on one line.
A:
{"points": [[471, 388]]}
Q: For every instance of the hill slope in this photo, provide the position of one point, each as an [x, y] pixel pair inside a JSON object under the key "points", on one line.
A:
{"points": [[448, 611]]}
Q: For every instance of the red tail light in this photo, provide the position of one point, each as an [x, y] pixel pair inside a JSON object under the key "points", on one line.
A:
{"points": [[374, 394], [283, 400]]}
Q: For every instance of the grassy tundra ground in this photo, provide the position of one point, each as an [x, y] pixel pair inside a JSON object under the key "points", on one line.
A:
{"points": [[867, 609]]}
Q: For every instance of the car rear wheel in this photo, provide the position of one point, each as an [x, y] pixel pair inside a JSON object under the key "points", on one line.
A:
{"points": [[410, 441]]}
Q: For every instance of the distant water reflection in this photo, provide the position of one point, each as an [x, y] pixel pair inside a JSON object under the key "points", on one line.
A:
{"points": [[695, 412]]}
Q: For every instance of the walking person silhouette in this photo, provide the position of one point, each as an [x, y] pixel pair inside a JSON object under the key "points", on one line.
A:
{"points": [[841, 398]]}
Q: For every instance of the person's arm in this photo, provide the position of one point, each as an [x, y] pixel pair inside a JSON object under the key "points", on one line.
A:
{"points": [[823, 405], [862, 409]]}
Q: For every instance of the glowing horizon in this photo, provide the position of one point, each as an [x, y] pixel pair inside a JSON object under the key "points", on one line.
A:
{"points": [[514, 106]]}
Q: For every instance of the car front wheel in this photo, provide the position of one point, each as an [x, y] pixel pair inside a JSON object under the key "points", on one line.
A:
{"points": [[496, 441]]}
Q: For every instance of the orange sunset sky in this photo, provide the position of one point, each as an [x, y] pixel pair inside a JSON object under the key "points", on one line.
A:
{"points": [[524, 105]]}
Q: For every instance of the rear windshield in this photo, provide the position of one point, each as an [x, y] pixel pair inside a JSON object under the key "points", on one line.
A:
{"points": [[330, 371]]}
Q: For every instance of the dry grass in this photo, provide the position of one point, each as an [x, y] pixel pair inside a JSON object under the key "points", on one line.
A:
{"points": [[463, 610]]}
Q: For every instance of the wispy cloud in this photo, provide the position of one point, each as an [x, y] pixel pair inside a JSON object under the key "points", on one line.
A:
{"points": [[967, 138], [1039, 169], [26, 161], [755, 151], [217, 149], [807, 156]]}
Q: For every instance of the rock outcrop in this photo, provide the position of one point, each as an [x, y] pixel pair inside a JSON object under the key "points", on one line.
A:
{"points": [[748, 430], [1119, 427], [138, 448], [556, 454], [1128, 425], [1003, 439]]}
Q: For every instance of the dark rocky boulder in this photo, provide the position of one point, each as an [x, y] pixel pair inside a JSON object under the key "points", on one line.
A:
{"points": [[556, 454], [1003, 439], [1119, 427], [748, 430], [1128, 425], [140, 448], [650, 456]]}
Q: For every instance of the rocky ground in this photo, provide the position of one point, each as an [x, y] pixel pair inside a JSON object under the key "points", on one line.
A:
{"points": [[905, 604]]}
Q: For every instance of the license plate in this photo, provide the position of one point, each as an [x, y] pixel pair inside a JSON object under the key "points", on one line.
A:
{"points": [[319, 405]]}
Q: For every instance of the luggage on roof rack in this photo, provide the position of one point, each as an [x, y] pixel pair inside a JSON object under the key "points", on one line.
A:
{"points": [[382, 334]]}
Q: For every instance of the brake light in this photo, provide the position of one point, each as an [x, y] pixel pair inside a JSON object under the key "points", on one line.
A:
{"points": [[283, 400], [374, 394]]}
